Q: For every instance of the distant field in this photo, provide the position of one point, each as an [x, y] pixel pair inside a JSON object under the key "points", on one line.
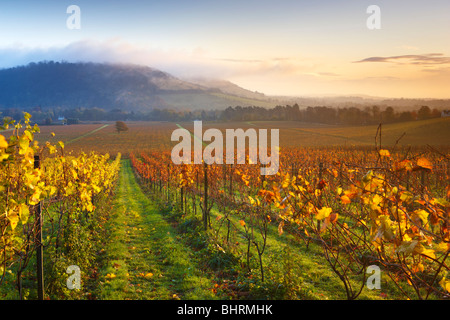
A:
{"points": [[215, 100], [148, 135]]}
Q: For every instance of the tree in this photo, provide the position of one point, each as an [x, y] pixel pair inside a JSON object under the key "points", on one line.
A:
{"points": [[388, 115], [424, 113], [121, 126]]}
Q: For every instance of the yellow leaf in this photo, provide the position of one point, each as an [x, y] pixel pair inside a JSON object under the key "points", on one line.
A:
{"points": [[3, 142], [384, 153], [3, 156], [24, 143], [423, 215], [242, 222], [428, 253], [406, 196], [149, 275], [24, 212], [445, 284], [323, 213], [443, 246], [13, 218], [376, 199], [35, 198]]}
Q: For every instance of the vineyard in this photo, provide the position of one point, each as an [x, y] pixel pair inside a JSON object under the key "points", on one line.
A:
{"points": [[40, 184], [363, 207], [140, 227]]}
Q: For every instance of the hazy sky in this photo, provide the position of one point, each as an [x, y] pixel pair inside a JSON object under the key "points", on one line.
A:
{"points": [[277, 47]]}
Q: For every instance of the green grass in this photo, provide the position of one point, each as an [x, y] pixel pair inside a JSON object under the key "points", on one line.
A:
{"points": [[292, 269], [144, 259]]}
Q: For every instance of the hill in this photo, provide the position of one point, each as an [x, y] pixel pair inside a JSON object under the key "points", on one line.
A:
{"points": [[110, 86]]}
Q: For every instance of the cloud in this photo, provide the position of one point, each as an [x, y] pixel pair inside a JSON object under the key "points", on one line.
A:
{"points": [[179, 62], [114, 50], [183, 63], [412, 59], [240, 60]]}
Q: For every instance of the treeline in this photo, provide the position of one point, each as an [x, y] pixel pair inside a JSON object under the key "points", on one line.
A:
{"points": [[317, 114], [329, 115], [54, 115]]}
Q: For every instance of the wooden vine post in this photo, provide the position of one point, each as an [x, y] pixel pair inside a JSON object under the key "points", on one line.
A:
{"points": [[38, 243]]}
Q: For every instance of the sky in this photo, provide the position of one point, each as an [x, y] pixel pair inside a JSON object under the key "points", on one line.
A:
{"points": [[283, 47]]}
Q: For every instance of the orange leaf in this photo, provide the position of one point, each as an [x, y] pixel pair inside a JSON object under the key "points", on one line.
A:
{"points": [[333, 217], [345, 199], [424, 163], [384, 153]]}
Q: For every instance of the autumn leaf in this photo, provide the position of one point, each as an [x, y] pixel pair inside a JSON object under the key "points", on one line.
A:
{"points": [[3, 142], [422, 214], [384, 153], [345, 199], [403, 165], [424, 163], [110, 276], [333, 217], [443, 246], [322, 184], [376, 199], [323, 213], [428, 253], [24, 212], [242, 222], [407, 247], [13, 218], [445, 284], [280, 228], [420, 249]]}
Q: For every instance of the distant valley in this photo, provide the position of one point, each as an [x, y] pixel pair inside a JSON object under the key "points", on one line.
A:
{"points": [[128, 88]]}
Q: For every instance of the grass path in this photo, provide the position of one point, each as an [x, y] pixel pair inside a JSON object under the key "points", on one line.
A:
{"points": [[144, 258], [86, 134]]}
